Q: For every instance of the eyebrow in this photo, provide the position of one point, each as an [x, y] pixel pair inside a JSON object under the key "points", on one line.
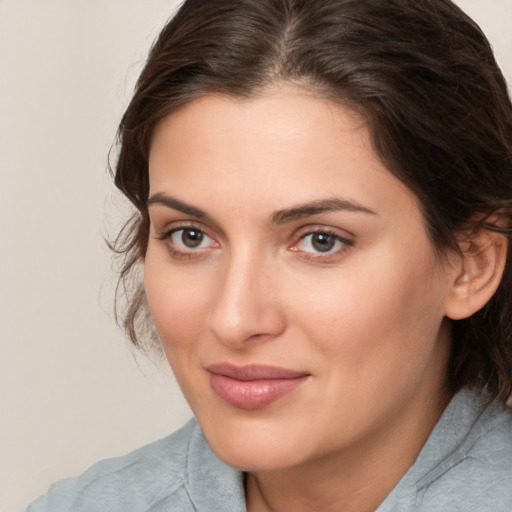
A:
{"points": [[176, 204], [318, 207], [278, 217]]}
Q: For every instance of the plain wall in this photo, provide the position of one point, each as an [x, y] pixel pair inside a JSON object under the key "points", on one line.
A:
{"points": [[71, 389]]}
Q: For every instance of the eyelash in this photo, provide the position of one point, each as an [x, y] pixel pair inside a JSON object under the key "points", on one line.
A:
{"points": [[184, 253], [191, 253], [343, 242]]}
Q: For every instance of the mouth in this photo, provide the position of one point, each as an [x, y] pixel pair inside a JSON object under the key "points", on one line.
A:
{"points": [[254, 386]]}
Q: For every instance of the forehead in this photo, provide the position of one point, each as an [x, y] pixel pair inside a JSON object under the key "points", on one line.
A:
{"points": [[284, 145]]}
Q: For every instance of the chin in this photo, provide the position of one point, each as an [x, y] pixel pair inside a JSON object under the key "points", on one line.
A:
{"points": [[256, 459], [253, 446]]}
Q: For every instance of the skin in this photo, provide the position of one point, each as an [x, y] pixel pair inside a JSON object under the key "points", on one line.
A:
{"points": [[366, 320]]}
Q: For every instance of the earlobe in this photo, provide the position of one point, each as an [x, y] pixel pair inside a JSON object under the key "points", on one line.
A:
{"points": [[483, 259]]}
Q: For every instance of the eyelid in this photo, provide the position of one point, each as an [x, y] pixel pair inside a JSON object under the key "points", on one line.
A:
{"points": [[173, 226], [323, 228], [163, 216]]}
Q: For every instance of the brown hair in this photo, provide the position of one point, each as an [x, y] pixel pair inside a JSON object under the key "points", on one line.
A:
{"points": [[420, 71]]}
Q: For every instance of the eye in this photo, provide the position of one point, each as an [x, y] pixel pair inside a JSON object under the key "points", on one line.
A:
{"points": [[189, 238], [321, 243], [185, 241]]}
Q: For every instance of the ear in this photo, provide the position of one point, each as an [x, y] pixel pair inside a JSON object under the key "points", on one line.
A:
{"points": [[478, 273]]}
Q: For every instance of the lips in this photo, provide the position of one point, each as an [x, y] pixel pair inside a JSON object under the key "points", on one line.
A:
{"points": [[254, 386]]}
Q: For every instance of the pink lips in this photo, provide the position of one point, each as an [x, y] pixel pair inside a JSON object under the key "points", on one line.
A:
{"points": [[254, 386]]}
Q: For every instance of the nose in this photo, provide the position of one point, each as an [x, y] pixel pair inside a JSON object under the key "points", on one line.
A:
{"points": [[246, 306]]}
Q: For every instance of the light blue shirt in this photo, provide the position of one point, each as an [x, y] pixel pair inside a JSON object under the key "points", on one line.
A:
{"points": [[466, 466]]}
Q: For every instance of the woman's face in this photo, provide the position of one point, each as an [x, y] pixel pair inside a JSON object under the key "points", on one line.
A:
{"points": [[291, 281]]}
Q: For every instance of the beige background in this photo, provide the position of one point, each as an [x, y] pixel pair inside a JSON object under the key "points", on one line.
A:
{"points": [[71, 391]]}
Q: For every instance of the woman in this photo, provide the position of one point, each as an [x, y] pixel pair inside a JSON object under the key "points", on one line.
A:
{"points": [[324, 213]]}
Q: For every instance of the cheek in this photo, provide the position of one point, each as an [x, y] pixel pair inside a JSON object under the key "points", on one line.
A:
{"points": [[376, 316], [176, 303], [375, 340]]}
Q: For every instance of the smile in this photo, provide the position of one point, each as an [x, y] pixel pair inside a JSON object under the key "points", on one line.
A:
{"points": [[255, 386]]}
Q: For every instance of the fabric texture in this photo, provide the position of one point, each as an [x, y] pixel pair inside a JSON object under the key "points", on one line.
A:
{"points": [[465, 465]]}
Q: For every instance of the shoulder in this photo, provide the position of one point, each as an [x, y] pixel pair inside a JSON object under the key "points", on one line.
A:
{"points": [[477, 474], [465, 465], [142, 480]]}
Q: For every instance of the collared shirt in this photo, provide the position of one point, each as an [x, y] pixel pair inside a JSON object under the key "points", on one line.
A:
{"points": [[465, 465]]}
